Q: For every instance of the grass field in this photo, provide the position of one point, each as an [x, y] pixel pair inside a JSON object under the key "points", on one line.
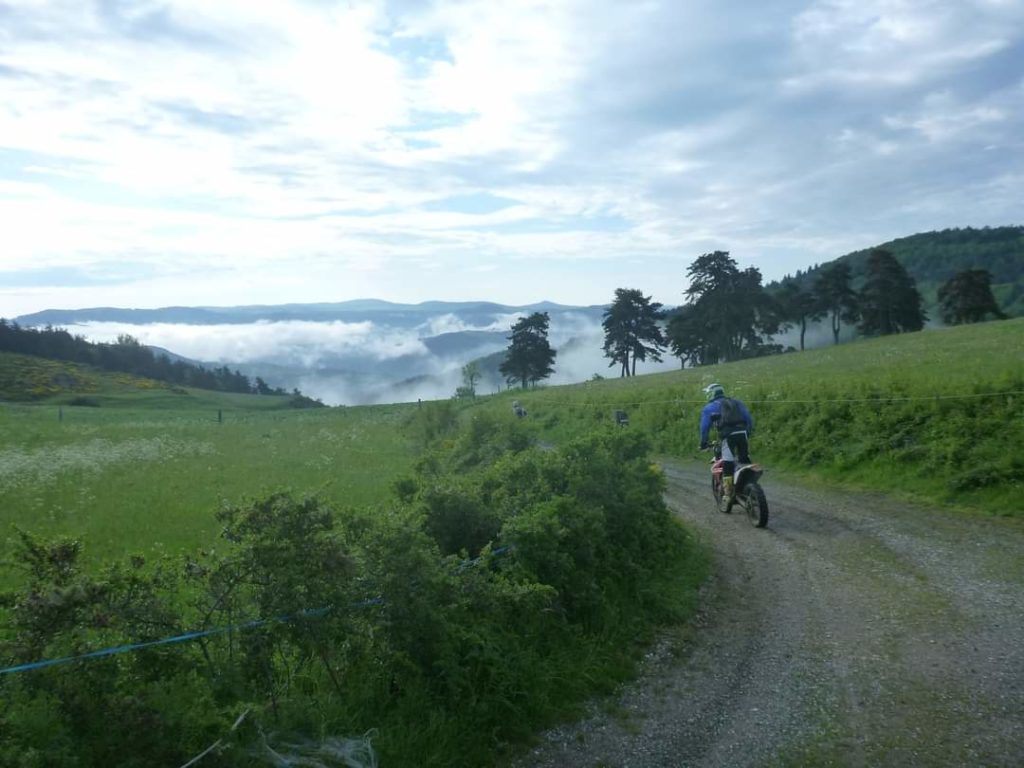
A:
{"points": [[146, 470], [923, 414], [147, 475], [319, 616]]}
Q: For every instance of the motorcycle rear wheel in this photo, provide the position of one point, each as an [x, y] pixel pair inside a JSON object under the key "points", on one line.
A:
{"points": [[756, 504]]}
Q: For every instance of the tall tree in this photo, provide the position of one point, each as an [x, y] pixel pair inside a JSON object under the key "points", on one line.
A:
{"points": [[967, 298], [529, 356], [837, 297], [798, 306], [471, 375], [631, 330], [889, 301], [731, 317], [687, 336]]}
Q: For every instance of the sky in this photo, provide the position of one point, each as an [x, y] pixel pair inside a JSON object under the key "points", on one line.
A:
{"points": [[236, 152]]}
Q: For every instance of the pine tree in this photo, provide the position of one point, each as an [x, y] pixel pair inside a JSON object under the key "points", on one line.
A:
{"points": [[731, 313], [687, 336], [798, 306], [967, 298], [631, 330], [529, 357], [889, 301], [836, 295]]}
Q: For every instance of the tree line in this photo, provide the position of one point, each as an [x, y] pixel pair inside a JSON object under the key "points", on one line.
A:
{"points": [[126, 355], [728, 314]]}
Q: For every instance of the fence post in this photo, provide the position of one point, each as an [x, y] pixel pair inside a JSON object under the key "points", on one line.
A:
{"points": [[220, 416], [60, 413]]}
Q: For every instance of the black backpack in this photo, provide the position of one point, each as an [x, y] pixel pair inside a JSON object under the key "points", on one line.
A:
{"points": [[731, 417]]}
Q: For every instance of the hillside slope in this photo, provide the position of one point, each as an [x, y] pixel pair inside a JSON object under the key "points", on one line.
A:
{"points": [[931, 258], [929, 414], [31, 379]]}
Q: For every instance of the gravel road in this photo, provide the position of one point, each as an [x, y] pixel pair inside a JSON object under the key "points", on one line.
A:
{"points": [[853, 631]]}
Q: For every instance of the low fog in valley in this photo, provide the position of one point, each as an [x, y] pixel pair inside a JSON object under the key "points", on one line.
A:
{"points": [[369, 361]]}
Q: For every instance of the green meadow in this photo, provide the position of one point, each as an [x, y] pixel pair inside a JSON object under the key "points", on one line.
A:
{"points": [[936, 416], [146, 471], [426, 574], [917, 414]]}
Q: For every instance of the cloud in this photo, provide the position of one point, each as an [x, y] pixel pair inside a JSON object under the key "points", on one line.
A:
{"points": [[941, 118], [294, 342], [301, 151], [452, 323], [896, 43]]}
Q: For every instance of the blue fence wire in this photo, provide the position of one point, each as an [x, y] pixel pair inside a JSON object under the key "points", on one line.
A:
{"points": [[312, 613]]}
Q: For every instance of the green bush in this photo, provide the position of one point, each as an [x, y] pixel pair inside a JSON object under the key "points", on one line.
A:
{"points": [[62, 715], [432, 420], [503, 585]]}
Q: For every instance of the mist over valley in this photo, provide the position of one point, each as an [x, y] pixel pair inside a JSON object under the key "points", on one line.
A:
{"points": [[353, 353]]}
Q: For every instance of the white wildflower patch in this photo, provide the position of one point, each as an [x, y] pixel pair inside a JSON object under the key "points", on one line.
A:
{"points": [[47, 464]]}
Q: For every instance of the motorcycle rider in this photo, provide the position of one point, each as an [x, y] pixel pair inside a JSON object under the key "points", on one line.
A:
{"points": [[734, 424]]}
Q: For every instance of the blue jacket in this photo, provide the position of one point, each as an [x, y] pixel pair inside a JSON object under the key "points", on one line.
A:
{"points": [[713, 411]]}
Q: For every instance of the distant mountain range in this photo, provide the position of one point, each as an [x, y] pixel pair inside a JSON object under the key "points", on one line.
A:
{"points": [[477, 313]]}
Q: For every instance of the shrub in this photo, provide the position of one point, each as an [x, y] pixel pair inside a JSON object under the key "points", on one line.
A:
{"points": [[503, 584], [432, 420]]}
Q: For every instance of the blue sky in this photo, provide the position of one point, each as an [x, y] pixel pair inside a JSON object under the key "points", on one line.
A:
{"points": [[232, 152]]}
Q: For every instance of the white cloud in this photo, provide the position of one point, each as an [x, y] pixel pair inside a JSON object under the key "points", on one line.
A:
{"points": [[344, 362], [241, 152], [892, 43], [451, 323], [941, 117], [294, 342]]}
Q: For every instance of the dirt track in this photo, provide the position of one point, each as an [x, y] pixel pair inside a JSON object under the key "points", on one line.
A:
{"points": [[853, 631]]}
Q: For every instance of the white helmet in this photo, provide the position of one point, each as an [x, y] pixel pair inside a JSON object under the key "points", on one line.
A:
{"points": [[714, 391]]}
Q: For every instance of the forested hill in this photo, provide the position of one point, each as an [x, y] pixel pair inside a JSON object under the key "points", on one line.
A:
{"points": [[931, 258], [131, 357]]}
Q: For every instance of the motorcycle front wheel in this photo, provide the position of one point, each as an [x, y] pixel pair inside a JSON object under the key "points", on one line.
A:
{"points": [[719, 494], [757, 504]]}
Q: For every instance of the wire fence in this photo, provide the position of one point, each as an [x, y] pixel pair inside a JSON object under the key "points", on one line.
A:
{"points": [[538, 400], [312, 613]]}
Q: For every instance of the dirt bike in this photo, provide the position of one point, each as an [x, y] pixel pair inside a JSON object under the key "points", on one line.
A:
{"points": [[748, 494]]}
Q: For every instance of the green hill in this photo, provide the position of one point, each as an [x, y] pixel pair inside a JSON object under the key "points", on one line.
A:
{"points": [[31, 379], [155, 509], [925, 414], [931, 258]]}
